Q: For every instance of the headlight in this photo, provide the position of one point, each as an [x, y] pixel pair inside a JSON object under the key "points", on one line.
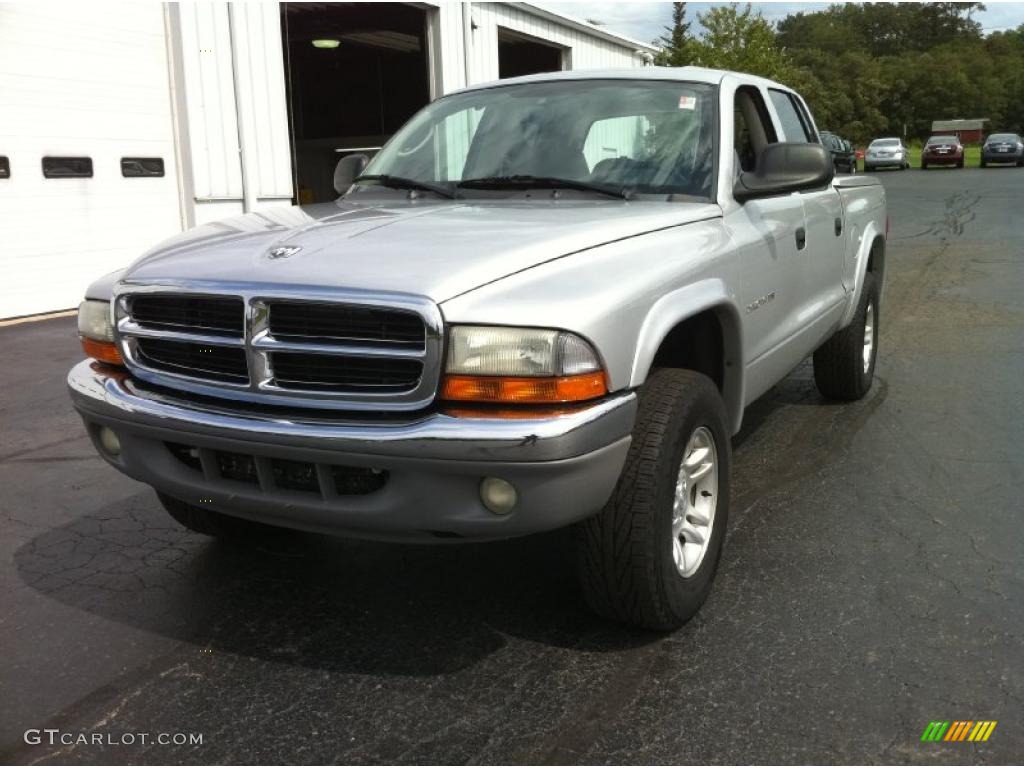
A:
{"points": [[96, 331], [520, 365], [94, 321]]}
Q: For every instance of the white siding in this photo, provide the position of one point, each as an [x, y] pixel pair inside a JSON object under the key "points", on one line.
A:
{"points": [[210, 100], [80, 79], [221, 100], [583, 51]]}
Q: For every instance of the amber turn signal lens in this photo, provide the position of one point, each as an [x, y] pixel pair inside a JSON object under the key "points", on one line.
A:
{"points": [[104, 351], [524, 389]]}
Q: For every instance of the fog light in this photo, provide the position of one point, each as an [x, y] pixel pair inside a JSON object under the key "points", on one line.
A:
{"points": [[108, 440], [498, 495]]}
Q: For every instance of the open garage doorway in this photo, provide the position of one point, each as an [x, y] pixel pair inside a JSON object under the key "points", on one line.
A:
{"points": [[355, 72], [520, 54]]}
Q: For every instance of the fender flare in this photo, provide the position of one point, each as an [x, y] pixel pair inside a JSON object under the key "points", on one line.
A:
{"points": [[680, 305], [868, 238]]}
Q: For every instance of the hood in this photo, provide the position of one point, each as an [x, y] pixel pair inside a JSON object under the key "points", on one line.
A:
{"points": [[433, 249]]}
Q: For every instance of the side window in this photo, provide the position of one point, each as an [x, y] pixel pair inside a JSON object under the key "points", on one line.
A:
{"points": [[752, 130], [795, 127]]}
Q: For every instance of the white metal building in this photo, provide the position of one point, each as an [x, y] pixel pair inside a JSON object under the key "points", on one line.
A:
{"points": [[123, 123]]}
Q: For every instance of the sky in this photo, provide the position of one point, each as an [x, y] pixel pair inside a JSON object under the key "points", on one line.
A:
{"points": [[645, 21]]}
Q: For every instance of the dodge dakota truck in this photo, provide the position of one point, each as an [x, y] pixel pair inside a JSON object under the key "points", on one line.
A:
{"points": [[544, 303]]}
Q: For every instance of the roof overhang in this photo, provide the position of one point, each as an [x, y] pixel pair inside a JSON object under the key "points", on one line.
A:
{"points": [[585, 26]]}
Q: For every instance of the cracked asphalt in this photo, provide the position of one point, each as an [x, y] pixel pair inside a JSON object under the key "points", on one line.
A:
{"points": [[872, 580]]}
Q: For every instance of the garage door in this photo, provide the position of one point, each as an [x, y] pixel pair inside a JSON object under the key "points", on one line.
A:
{"points": [[87, 166]]}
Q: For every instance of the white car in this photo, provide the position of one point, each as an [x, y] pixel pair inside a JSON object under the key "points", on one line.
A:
{"points": [[887, 153]]}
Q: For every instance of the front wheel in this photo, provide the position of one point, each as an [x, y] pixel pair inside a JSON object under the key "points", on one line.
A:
{"points": [[649, 557], [844, 366]]}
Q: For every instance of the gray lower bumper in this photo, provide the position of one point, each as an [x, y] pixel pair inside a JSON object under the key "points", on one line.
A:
{"points": [[563, 467]]}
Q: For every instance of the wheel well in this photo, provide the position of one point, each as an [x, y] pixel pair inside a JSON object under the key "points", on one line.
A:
{"points": [[697, 345], [876, 259]]}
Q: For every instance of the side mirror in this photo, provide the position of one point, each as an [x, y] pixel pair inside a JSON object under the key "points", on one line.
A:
{"points": [[784, 168], [347, 169]]}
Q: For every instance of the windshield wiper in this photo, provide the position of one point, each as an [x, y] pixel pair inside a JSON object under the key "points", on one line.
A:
{"points": [[400, 182], [552, 182]]}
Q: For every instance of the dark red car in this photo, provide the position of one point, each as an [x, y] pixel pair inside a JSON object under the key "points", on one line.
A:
{"points": [[942, 150]]}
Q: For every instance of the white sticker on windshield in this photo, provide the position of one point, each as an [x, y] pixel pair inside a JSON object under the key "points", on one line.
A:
{"points": [[688, 102]]}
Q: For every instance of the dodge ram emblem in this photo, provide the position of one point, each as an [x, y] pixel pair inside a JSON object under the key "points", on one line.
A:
{"points": [[283, 251]]}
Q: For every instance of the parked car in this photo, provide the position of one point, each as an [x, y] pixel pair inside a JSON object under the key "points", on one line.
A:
{"points": [[942, 150], [886, 153], [844, 158], [1003, 148], [545, 302]]}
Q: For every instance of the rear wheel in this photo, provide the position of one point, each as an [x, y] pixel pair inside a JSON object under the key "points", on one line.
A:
{"points": [[960, 164], [924, 166], [649, 557], [844, 366], [211, 523]]}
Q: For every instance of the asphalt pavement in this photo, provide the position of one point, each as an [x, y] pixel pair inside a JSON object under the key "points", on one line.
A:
{"points": [[872, 579]]}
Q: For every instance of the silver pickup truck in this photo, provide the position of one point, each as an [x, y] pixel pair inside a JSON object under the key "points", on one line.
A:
{"points": [[546, 302]]}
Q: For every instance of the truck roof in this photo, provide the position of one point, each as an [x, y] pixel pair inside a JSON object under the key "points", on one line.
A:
{"points": [[690, 74]]}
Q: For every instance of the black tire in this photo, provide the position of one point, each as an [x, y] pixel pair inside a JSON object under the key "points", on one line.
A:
{"points": [[839, 369], [625, 552], [211, 523], [960, 164], [924, 166], [982, 162]]}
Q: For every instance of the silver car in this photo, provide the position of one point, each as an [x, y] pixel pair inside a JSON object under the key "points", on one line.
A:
{"points": [[886, 153]]}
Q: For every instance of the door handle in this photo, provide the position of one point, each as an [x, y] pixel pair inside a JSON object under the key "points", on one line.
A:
{"points": [[839, 226], [801, 238]]}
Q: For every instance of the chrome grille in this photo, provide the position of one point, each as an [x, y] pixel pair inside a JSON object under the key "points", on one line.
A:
{"points": [[352, 325], [324, 348], [189, 359], [209, 314], [304, 371]]}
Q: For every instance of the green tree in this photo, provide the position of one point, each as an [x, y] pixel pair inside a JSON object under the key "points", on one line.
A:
{"points": [[741, 40], [677, 42]]}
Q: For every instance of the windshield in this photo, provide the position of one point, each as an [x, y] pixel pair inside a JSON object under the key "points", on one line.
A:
{"points": [[885, 143], [654, 137], [1003, 137], [942, 140]]}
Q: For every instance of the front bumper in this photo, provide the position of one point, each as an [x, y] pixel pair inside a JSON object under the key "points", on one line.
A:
{"points": [[563, 467]]}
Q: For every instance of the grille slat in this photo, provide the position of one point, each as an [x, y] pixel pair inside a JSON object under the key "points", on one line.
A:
{"points": [[294, 370], [292, 320], [210, 314], [181, 357]]}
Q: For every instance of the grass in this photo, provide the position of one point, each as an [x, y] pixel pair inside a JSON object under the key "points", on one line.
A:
{"points": [[972, 158]]}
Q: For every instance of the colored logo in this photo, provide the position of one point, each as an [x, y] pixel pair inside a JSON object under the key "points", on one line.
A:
{"points": [[958, 730]]}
